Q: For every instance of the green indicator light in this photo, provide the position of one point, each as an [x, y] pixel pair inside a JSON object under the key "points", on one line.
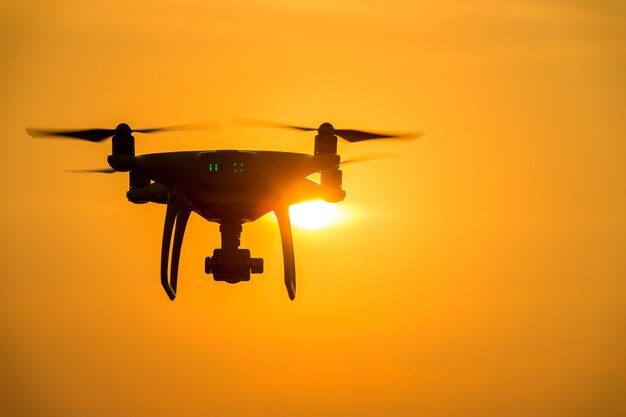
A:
{"points": [[238, 167]]}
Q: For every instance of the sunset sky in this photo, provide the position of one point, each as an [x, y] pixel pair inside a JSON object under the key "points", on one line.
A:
{"points": [[482, 272]]}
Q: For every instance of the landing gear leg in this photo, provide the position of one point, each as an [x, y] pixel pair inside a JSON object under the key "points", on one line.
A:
{"points": [[284, 223]]}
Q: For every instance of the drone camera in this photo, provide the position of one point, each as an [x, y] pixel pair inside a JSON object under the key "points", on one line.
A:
{"points": [[233, 269]]}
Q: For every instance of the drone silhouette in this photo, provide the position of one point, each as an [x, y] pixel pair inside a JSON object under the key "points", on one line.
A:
{"points": [[229, 187]]}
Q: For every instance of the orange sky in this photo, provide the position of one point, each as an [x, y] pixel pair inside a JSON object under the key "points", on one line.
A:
{"points": [[481, 273]]}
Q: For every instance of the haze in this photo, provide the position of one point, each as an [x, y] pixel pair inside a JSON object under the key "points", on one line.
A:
{"points": [[480, 273]]}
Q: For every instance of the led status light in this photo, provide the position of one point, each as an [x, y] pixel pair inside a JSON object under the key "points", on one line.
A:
{"points": [[237, 167]]}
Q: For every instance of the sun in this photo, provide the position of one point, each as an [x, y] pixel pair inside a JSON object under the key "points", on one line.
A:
{"points": [[313, 214]]}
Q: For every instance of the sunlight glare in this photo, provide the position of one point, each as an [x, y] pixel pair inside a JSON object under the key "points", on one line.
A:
{"points": [[313, 214]]}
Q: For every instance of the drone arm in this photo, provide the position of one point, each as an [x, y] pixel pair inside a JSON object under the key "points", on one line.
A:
{"points": [[177, 213], [284, 224]]}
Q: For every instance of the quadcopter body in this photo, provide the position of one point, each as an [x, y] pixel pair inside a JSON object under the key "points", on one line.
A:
{"points": [[229, 187]]}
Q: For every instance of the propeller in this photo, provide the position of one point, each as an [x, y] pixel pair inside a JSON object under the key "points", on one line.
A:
{"points": [[92, 171], [98, 135], [350, 135], [367, 157]]}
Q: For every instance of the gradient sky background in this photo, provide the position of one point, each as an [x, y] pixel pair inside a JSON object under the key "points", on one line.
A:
{"points": [[482, 273]]}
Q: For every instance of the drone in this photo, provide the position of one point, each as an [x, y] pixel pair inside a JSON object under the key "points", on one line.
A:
{"points": [[228, 187]]}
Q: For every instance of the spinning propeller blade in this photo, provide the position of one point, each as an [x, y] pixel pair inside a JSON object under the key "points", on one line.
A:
{"points": [[367, 157], [350, 135], [98, 135], [91, 135], [244, 121], [92, 171], [357, 135], [194, 126]]}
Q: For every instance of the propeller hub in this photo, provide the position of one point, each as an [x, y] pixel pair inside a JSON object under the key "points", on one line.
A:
{"points": [[123, 129], [326, 128]]}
